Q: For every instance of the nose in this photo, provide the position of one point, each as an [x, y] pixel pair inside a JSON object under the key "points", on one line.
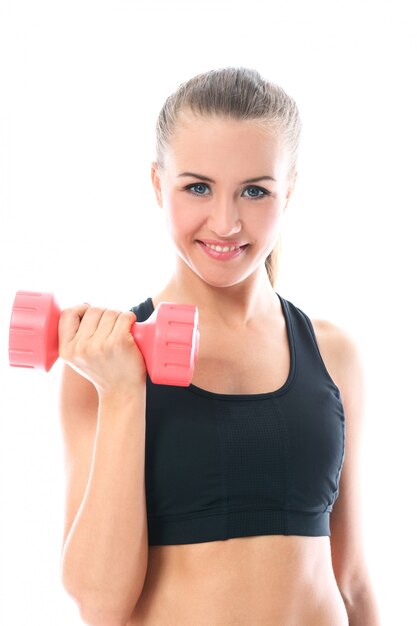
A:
{"points": [[224, 219]]}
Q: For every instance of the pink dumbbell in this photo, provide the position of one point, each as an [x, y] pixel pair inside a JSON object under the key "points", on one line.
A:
{"points": [[168, 339]]}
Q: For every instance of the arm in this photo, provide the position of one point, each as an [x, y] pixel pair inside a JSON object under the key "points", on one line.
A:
{"points": [[105, 553], [347, 544]]}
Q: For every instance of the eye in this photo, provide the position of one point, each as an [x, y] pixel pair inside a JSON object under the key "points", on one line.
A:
{"points": [[265, 192]]}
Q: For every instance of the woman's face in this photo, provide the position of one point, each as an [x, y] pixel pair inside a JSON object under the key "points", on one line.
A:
{"points": [[226, 209]]}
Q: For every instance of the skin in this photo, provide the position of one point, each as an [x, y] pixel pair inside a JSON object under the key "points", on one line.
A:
{"points": [[237, 295]]}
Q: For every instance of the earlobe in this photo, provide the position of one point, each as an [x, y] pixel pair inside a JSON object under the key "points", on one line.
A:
{"points": [[156, 182], [154, 173], [290, 189], [292, 185]]}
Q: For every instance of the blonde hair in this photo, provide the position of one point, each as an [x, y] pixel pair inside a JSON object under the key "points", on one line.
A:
{"points": [[236, 93]]}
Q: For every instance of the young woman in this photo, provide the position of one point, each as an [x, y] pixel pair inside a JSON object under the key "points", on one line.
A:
{"points": [[235, 500]]}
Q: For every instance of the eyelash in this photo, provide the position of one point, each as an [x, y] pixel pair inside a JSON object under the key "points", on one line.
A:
{"points": [[264, 191]]}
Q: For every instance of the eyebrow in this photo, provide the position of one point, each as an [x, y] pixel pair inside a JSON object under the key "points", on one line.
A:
{"points": [[210, 180]]}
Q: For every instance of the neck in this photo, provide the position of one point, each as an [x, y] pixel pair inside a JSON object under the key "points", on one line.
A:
{"points": [[236, 306]]}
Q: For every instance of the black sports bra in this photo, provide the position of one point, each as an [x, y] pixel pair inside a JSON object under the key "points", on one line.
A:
{"points": [[219, 466]]}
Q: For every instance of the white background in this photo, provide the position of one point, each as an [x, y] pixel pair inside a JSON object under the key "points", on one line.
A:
{"points": [[82, 83]]}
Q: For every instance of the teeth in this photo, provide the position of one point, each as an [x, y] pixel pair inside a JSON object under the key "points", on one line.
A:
{"points": [[220, 249]]}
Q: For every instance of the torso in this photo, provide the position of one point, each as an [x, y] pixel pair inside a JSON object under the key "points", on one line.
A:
{"points": [[269, 580]]}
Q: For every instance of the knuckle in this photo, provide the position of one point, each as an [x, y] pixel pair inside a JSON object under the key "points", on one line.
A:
{"points": [[69, 312], [129, 314], [111, 313]]}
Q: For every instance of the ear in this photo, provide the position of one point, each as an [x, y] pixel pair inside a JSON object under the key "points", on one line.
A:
{"points": [[156, 182], [290, 189]]}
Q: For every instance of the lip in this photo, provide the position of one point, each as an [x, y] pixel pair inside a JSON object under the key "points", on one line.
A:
{"points": [[223, 244], [222, 256]]}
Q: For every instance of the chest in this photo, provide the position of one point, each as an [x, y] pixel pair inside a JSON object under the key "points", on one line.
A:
{"points": [[250, 362]]}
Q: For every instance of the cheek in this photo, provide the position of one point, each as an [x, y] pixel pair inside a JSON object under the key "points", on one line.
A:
{"points": [[273, 220], [264, 220], [182, 219]]}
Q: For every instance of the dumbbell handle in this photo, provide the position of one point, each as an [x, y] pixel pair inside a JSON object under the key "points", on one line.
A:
{"points": [[168, 339]]}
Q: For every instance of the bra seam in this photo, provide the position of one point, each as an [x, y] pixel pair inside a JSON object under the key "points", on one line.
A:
{"points": [[180, 516]]}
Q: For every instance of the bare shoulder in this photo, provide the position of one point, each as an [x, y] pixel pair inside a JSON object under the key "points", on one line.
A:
{"points": [[342, 356], [340, 352]]}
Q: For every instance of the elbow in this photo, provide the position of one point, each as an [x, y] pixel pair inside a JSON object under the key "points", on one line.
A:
{"points": [[99, 608], [93, 617], [92, 613]]}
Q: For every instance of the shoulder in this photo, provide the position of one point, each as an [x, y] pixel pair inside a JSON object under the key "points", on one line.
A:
{"points": [[342, 355], [344, 361]]}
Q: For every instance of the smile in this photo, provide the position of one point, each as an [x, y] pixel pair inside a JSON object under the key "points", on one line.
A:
{"points": [[215, 253]]}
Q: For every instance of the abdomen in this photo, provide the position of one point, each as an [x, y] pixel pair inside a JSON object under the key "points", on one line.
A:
{"points": [[269, 580]]}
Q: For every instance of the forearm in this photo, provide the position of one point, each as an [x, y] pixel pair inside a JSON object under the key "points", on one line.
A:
{"points": [[105, 557], [362, 608]]}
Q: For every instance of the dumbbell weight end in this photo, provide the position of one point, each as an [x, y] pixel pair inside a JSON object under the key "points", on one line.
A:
{"points": [[168, 339], [33, 333]]}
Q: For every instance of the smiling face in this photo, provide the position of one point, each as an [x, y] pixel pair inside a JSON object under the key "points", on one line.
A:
{"points": [[227, 208]]}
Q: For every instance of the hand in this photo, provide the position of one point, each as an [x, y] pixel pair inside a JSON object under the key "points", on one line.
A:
{"points": [[97, 343]]}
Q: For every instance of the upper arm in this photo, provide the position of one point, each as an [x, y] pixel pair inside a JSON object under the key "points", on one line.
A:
{"points": [[346, 367], [78, 408]]}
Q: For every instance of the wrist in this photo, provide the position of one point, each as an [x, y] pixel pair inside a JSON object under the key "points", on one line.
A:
{"points": [[123, 395]]}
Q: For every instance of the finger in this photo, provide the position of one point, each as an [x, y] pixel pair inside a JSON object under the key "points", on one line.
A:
{"points": [[90, 322], [69, 322], [124, 323], [106, 324]]}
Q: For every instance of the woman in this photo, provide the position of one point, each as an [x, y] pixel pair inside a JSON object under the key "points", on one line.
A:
{"points": [[246, 510]]}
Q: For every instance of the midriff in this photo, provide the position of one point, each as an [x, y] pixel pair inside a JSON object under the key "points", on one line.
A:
{"points": [[268, 580]]}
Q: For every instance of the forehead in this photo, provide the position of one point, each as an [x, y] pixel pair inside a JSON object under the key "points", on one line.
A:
{"points": [[199, 140]]}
